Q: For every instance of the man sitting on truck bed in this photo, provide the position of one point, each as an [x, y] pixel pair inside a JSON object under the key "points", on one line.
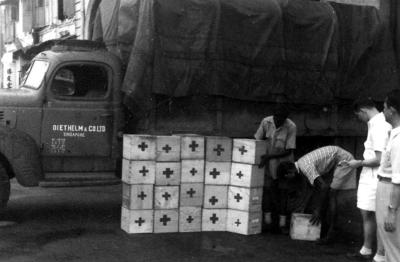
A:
{"points": [[280, 133]]}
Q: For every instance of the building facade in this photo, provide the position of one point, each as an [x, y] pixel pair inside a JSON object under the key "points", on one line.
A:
{"points": [[28, 23]]}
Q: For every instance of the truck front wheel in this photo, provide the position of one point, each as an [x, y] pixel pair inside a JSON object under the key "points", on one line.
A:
{"points": [[4, 188]]}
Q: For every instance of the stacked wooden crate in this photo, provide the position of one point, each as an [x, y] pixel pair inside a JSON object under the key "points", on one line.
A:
{"points": [[138, 178], [166, 189], [246, 187], [217, 176], [192, 183], [189, 183]]}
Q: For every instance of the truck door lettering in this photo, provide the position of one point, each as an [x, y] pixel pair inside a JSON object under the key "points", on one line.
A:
{"points": [[57, 145], [78, 130]]}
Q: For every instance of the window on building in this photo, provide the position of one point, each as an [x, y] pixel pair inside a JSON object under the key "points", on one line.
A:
{"points": [[42, 15], [14, 13], [26, 15], [66, 9], [80, 81]]}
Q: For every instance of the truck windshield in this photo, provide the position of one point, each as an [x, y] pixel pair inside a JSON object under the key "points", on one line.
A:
{"points": [[36, 74]]}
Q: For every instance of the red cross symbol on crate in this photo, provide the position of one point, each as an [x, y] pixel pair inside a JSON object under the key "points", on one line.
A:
{"points": [[219, 149], [214, 218], [238, 197], [213, 200], [144, 171], [168, 172], [214, 173], [167, 148], [140, 221], [165, 219], [143, 146], [193, 146], [242, 150], [191, 192], [238, 222], [166, 195], [142, 195]]}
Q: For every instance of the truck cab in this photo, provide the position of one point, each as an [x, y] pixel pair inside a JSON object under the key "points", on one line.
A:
{"points": [[64, 123]]}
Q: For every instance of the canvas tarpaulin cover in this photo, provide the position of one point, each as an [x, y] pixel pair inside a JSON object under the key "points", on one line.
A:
{"points": [[307, 52]]}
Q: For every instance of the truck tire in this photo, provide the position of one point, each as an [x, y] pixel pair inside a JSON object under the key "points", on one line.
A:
{"points": [[4, 188]]}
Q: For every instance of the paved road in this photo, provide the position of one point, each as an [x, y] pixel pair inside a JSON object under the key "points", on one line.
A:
{"points": [[82, 224]]}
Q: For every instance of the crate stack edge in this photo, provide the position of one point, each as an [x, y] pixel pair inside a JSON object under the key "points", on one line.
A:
{"points": [[246, 187], [138, 178]]}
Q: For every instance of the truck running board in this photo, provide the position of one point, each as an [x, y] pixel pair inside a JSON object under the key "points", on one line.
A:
{"points": [[74, 179]]}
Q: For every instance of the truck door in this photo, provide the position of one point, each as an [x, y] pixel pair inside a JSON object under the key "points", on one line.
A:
{"points": [[77, 118]]}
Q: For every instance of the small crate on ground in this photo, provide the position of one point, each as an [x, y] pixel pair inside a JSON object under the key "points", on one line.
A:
{"points": [[139, 147], [168, 149], [218, 149], [189, 219], [191, 194], [248, 151], [215, 196], [137, 196], [301, 228], [166, 197], [217, 173], [192, 171], [166, 221], [246, 175], [168, 173], [245, 223], [245, 199], [138, 172], [214, 219], [136, 221]]}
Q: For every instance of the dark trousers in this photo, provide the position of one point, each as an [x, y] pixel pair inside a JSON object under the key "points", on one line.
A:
{"points": [[275, 199]]}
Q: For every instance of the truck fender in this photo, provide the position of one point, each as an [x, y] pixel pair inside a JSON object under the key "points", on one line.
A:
{"points": [[21, 157]]}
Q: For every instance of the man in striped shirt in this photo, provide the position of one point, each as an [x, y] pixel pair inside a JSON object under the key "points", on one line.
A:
{"points": [[324, 170]]}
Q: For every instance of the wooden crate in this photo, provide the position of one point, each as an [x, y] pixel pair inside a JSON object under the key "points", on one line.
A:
{"points": [[137, 196], [217, 173], [139, 147], [245, 199], [301, 228], [248, 151], [246, 175], [245, 223], [214, 219], [192, 147], [215, 196], [166, 197], [191, 194], [218, 149], [168, 173], [189, 219], [136, 221], [192, 171], [138, 172], [168, 149], [166, 221]]}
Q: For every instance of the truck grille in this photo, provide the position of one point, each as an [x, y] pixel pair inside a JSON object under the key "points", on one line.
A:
{"points": [[2, 122]]}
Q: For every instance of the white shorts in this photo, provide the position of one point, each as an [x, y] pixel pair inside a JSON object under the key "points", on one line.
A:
{"points": [[366, 193]]}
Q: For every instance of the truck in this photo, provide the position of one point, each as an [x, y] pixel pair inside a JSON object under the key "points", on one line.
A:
{"points": [[64, 126]]}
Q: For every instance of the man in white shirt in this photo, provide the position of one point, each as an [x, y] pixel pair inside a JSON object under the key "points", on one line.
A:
{"points": [[377, 137], [388, 192]]}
